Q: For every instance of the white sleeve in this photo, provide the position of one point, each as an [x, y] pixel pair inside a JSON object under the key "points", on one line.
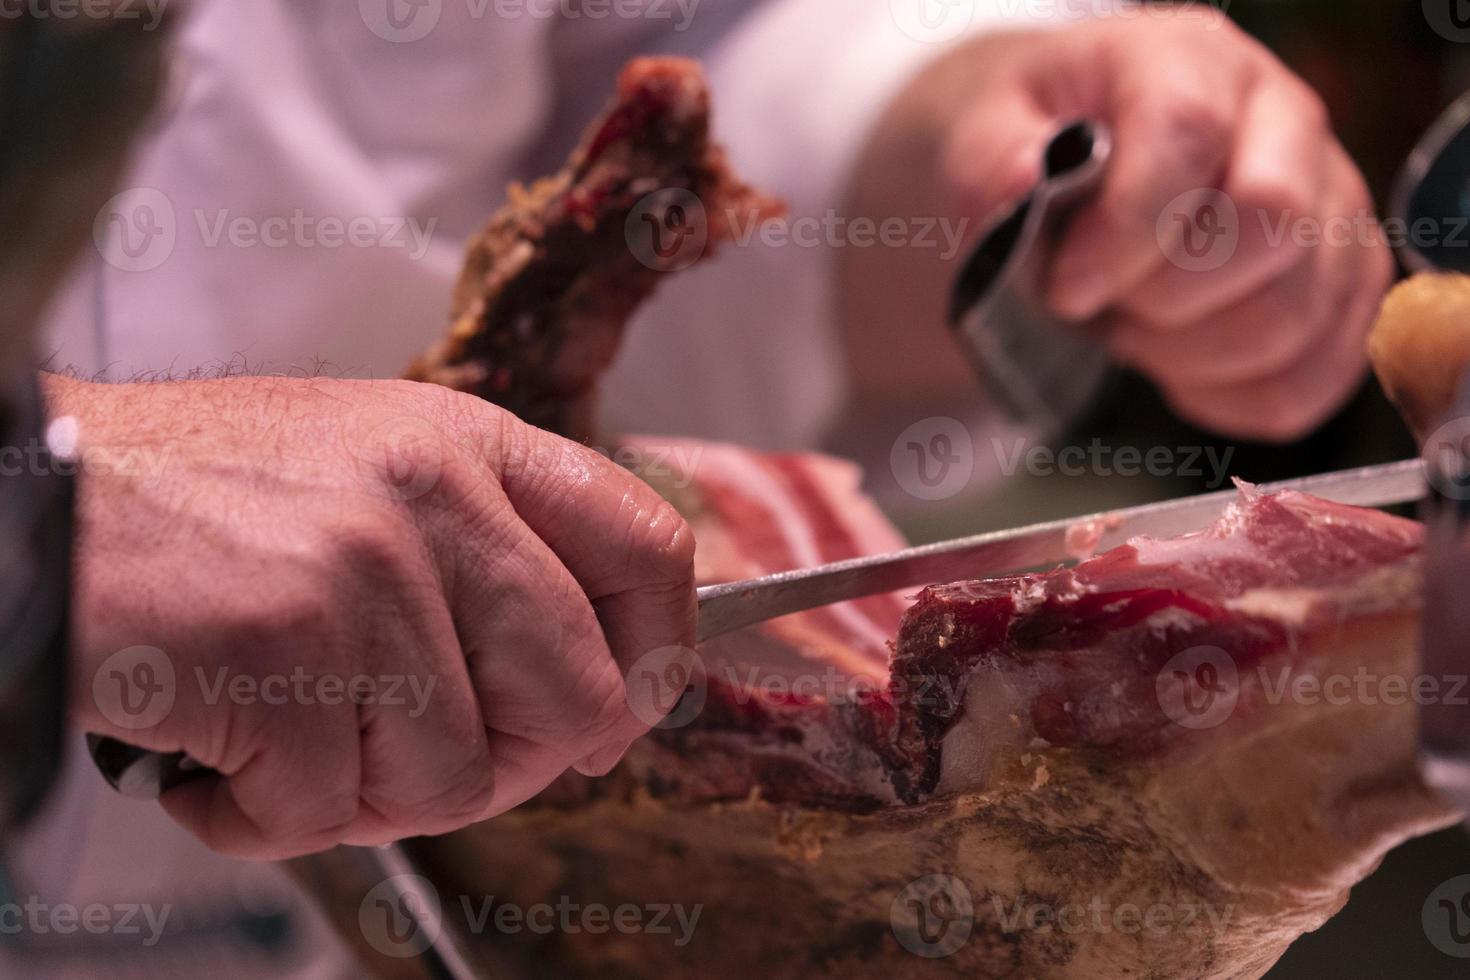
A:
{"points": [[747, 347]]}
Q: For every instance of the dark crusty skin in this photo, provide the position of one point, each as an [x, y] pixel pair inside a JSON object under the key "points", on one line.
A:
{"points": [[549, 285]]}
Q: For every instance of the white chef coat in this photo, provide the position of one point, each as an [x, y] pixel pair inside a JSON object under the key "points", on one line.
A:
{"points": [[287, 120]]}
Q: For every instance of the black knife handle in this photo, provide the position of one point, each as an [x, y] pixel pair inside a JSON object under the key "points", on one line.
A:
{"points": [[140, 774]]}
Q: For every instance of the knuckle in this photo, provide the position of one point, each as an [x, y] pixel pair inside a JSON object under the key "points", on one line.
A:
{"points": [[294, 624], [1196, 18], [1199, 121], [518, 448], [1311, 108], [538, 463], [374, 546], [480, 435], [665, 544], [600, 711], [329, 816], [1277, 353], [477, 790], [1197, 129], [460, 799], [1274, 192], [1288, 412], [1149, 321]]}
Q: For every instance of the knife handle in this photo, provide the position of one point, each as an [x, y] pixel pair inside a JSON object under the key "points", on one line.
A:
{"points": [[1040, 370], [141, 774]]}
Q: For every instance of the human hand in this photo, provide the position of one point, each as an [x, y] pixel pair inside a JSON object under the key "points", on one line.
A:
{"points": [[278, 541], [1262, 338]]}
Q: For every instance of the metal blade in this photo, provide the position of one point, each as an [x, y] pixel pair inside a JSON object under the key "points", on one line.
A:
{"points": [[726, 608]]}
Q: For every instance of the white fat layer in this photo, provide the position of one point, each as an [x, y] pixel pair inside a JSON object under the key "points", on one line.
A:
{"points": [[989, 733], [1383, 590]]}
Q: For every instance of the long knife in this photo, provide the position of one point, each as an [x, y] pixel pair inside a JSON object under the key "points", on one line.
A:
{"points": [[726, 608]]}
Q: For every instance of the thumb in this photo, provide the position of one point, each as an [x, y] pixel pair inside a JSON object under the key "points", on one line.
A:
{"points": [[994, 154]]}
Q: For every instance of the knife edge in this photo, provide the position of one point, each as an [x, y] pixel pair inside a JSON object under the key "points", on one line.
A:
{"points": [[736, 605]]}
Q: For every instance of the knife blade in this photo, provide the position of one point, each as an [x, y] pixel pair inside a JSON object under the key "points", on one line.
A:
{"points": [[736, 605]]}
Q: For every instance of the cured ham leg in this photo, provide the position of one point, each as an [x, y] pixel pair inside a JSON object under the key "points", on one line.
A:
{"points": [[1168, 761], [1202, 731]]}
